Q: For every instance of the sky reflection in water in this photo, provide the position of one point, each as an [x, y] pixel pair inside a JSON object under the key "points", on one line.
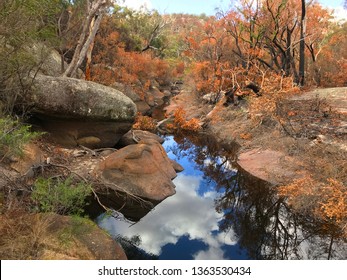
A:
{"points": [[250, 215], [184, 226]]}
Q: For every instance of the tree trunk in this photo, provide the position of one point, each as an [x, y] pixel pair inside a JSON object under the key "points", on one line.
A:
{"points": [[288, 64], [302, 44], [88, 45], [89, 55], [95, 12]]}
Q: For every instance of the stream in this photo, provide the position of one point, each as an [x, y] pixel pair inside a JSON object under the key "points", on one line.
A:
{"points": [[219, 213]]}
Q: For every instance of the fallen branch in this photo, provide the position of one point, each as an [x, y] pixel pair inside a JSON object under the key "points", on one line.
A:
{"points": [[135, 197], [162, 121], [104, 149], [88, 150]]}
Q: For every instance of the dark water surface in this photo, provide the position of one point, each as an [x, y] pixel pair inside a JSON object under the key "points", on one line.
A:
{"points": [[217, 213]]}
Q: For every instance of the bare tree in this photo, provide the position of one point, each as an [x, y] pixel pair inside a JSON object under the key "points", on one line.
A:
{"points": [[302, 44], [95, 11]]}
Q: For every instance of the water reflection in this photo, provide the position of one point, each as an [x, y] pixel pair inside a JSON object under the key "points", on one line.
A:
{"points": [[218, 213], [186, 215]]}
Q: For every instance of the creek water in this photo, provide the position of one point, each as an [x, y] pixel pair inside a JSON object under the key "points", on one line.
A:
{"points": [[219, 213]]}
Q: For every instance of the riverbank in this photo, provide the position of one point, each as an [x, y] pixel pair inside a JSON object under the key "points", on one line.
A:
{"points": [[303, 129], [297, 140], [300, 137]]}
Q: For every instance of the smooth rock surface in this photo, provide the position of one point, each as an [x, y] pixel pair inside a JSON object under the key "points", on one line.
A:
{"points": [[67, 98], [144, 170], [77, 112], [135, 179], [270, 166], [127, 139]]}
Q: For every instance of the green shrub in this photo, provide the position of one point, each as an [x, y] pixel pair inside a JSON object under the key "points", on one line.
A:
{"points": [[13, 137], [60, 196]]}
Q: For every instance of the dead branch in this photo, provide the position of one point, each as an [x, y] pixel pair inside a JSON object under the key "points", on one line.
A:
{"points": [[135, 197], [88, 150], [162, 121]]}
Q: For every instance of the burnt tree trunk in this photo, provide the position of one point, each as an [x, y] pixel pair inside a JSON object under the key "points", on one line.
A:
{"points": [[302, 44]]}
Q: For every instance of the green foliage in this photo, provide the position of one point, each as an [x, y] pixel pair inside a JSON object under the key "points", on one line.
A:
{"points": [[140, 29], [23, 23], [26, 20], [13, 137], [60, 196]]}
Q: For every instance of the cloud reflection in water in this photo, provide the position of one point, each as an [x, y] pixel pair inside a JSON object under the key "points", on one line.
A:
{"points": [[185, 214]]}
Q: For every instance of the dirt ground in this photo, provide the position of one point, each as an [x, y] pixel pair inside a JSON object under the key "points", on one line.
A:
{"points": [[304, 134]]}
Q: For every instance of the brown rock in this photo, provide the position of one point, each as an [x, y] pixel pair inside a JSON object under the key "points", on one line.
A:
{"points": [[178, 168], [142, 107], [127, 90], [154, 97], [167, 93], [157, 94], [92, 134], [127, 139], [270, 166], [150, 100], [143, 170]]}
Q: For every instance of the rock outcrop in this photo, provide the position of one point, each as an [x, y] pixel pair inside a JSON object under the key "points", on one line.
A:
{"points": [[139, 135], [142, 172], [81, 112], [55, 237], [154, 97], [176, 166], [335, 97], [48, 60], [270, 166]]}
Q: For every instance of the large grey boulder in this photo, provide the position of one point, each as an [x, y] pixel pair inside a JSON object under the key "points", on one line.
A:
{"points": [[141, 105], [127, 90], [81, 112], [48, 59]]}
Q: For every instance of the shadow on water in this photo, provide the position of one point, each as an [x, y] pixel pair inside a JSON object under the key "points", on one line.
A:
{"points": [[221, 213]]}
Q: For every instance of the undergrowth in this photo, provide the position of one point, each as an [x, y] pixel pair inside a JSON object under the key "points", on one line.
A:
{"points": [[60, 196], [14, 136]]}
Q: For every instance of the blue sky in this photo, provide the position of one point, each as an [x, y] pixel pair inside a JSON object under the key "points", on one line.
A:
{"points": [[201, 6]]}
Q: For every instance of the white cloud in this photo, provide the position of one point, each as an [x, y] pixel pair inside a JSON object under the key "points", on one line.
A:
{"points": [[138, 4], [212, 253], [184, 214]]}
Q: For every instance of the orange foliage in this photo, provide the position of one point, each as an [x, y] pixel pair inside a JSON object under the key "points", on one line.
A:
{"points": [[179, 69], [326, 201], [180, 122], [334, 205], [246, 136], [113, 61], [144, 123], [273, 87], [132, 68]]}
